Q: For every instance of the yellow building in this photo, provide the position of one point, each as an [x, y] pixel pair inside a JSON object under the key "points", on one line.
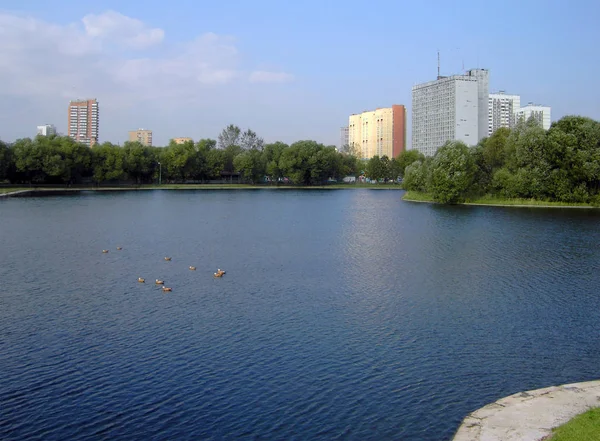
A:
{"points": [[380, 132], [142, 135], [181, 140]]}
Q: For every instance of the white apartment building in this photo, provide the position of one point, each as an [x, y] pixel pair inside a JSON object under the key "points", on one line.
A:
{"points": [[46, 130], [542, 114], [344, 137], [453, 108], [501, 111]]}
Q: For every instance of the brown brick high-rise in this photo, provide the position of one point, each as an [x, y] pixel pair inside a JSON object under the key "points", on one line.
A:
{"points": [[84, 121]]}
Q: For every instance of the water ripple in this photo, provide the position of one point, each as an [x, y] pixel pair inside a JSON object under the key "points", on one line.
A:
{"points": [[343, 315]]}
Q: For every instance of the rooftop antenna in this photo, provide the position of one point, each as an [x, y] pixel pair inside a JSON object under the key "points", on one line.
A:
{"points": [[438, 54]]}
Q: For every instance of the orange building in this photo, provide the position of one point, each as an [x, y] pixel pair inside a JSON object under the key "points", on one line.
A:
{"points": [[379, 132]]}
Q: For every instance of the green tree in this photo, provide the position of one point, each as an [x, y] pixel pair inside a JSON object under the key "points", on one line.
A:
{"points": [[180, 161], [494, 148], [250, 164], [107, 163], [29, 160], [271, 155], [406, 158], [5, 161], [452, 173], [376, 168], [139, 162], [417, 176], [204, 169]]}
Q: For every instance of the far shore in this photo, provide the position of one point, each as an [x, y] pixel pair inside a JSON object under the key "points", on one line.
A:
{"points": [[414, 196], [14, 191]]}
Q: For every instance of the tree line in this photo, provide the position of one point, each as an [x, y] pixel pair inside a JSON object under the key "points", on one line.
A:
{"points": [[561, 164], [61, 160]]}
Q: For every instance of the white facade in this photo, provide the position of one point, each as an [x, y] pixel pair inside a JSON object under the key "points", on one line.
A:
{"points": [[344, 137], [46, 130], [542, 114], [501, 111], [483, 92], [447, 109]]}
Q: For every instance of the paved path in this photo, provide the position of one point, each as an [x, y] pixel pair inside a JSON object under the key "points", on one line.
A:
{"points": [[531, 415]]}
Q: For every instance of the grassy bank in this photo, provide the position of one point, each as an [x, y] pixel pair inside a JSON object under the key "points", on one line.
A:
{"points": [[584, 427], [10, 190], [415, 196]]}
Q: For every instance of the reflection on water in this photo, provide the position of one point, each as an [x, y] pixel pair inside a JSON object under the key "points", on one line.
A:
{"points": [[343, 314]]}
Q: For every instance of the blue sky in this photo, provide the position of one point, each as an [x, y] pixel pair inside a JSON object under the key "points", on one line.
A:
{"points": [[289, 71]]}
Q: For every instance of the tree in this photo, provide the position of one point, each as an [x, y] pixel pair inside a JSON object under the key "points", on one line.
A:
{"points": [[394, 169], [180, 161], [416, 176], [29, 158], [271, 154], [406, 158], [376, 168], [107, 163], [352, 150], [452, 173], [5, 161], [139, 163], [204, 168], [230, 136], [249, 140], [249, 163]]}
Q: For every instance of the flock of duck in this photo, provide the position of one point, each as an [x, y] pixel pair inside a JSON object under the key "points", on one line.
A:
{"points": [[219, 273]]}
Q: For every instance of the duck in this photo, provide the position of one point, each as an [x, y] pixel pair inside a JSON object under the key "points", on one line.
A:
{"points": [[160, 282], [141, 280], [192, 268], [219, 270], [218, 274], [104, 251], [119, 248], [167, 258], [164, 288]]}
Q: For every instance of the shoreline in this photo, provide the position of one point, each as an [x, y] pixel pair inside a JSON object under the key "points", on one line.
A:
{"points": [[26, 191], [530, 415], [500, 204]]}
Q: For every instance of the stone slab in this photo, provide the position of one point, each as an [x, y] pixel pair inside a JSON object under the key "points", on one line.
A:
{"points": [[531, 415]]}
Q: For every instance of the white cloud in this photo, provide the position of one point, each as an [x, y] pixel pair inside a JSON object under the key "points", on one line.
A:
{"points": [[124, 30], [103, 57], [262, 76]]}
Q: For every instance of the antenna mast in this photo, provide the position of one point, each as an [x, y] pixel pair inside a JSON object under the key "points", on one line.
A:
{"points": [[438, 54]]}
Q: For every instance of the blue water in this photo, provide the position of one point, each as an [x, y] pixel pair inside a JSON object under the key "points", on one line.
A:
{"points": [[343, 315]]}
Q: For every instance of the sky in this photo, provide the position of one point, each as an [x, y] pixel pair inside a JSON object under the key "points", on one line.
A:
{"points": [[287, 70]]}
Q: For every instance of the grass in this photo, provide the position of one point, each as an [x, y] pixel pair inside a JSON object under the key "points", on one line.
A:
{"points": [[584, 427], [416, 196], [10, 190], [271, 187]]}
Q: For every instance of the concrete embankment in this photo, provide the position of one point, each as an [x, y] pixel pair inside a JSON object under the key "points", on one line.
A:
{"points": [[531, 415]]}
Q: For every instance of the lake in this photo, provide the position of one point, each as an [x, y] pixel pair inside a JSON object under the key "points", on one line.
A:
{"points": [[343, 314]]}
